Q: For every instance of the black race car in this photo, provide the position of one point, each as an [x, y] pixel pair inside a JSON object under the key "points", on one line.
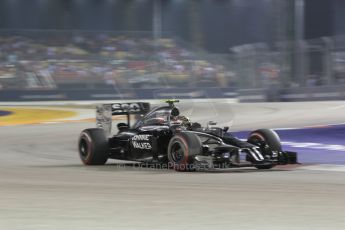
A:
{"points": [[163, 136]]}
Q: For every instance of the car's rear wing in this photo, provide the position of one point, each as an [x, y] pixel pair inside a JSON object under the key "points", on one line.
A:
{"points": [[105, 112], [130, 108]]}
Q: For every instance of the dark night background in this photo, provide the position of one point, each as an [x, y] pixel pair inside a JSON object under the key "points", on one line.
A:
{"points": [[212, 24]]}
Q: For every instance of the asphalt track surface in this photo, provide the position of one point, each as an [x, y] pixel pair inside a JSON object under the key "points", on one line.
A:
{"points": [[44, 186]]}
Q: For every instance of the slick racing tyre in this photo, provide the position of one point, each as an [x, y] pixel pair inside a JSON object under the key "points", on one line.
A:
{"points": [[269, 137], [181, 151], [93, 147]]}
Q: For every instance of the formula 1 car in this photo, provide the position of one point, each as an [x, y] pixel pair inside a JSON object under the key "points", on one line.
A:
{"points": [[163, 136]]}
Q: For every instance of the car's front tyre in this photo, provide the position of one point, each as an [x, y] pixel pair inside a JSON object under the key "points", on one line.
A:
{"points": [[93, 147], [269, 137]]}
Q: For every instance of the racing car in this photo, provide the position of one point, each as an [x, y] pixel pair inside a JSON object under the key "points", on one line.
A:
{"points": [[162, 135]]}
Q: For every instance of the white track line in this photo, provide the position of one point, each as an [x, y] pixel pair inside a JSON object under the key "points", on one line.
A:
{"points": [[324, 167]]}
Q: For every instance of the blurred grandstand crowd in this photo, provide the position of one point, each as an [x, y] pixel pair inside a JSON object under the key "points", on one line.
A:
{"points": [[70, 60]]}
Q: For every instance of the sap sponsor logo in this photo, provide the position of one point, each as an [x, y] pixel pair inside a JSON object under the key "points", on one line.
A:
{"points": [[310, 145], [139, 142], [130, 107]]}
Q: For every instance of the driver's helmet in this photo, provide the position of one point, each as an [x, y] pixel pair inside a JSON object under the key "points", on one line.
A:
{"points": [[185, 120]]}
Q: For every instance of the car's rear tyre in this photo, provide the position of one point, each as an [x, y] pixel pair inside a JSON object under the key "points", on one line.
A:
{"points": [[269, 137], [181, 151], [93, 147]]}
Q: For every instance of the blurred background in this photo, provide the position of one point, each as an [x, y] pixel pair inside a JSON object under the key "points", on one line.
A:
{"points": [[262, 50]]}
